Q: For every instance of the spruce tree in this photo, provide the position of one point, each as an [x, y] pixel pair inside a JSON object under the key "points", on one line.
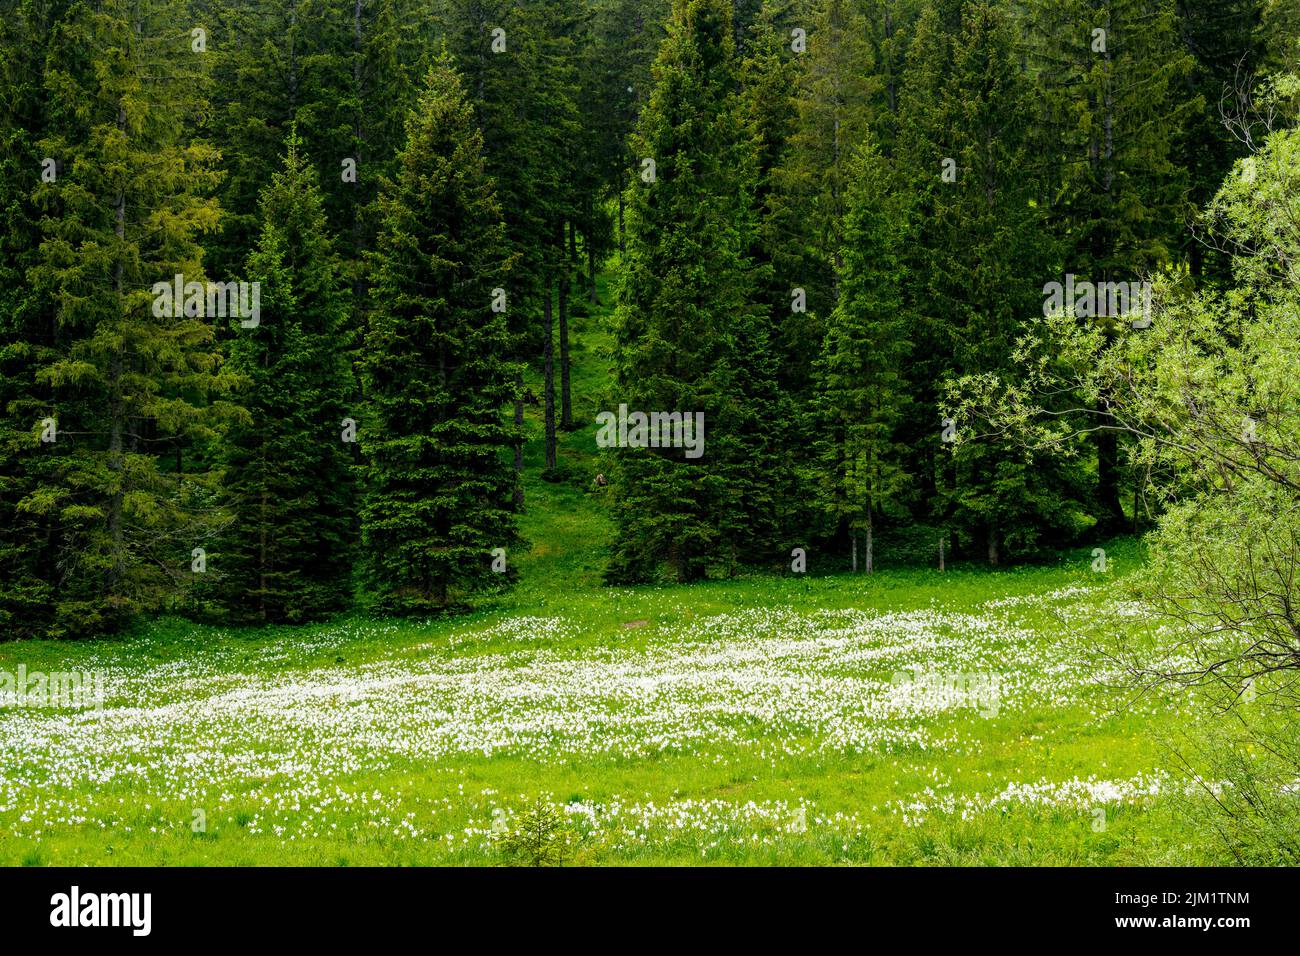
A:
{"points": [[689, 337], [341, 74], [287, 555], [28, 540], [861, 385], [518, 70], [1116, 100], [991, 256], [131, 384], [438, 486], [834, 93]]}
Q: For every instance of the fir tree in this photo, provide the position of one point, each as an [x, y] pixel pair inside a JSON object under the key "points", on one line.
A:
{"points": [[834, 93], [1116, 100], [862, 394], [988, 269], [28, 542], [131, 384], [437, 485], [689, 336], [287, 555]]}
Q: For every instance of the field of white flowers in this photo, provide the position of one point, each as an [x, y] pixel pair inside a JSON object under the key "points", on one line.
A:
{"points": [[955, 730]]}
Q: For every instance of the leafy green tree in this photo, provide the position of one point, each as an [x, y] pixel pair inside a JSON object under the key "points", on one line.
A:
{"points": [[437, 484], [287, 556], [1208, 397]]}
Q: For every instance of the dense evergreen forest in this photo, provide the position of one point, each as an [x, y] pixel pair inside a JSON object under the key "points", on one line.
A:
{"points": [[996, 276]]}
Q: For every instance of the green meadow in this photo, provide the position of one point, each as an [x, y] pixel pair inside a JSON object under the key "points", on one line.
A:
{"points": [[907, 717]]}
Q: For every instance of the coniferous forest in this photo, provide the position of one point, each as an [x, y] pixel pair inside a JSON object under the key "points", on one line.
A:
{"points": [[868, 383]]}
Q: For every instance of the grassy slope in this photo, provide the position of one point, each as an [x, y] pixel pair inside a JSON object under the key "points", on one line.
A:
{"points": [[737, 799]]}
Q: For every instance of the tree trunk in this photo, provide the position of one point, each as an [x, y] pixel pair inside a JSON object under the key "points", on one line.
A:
{"points": [[548, 353], [566, 400], [591, 271], [519, 442], [261, 558], [622, 236], [1137, 487], [117, 410], [870, 555], [1108, 475], [853, 536], [995, 553]]}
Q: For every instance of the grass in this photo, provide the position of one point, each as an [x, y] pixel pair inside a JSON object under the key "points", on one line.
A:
{"points": [[769, 719]]}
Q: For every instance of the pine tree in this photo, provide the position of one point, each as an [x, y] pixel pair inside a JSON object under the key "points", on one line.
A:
{"points": [[132, 384], [1116, 101], [625, 43], [342, 74], [519, 74], [28, 543], [689, 337], [890, 25], [991, 255], [287, 556], [834, 92], [1222, 36], [861, 393], [768, 87], [437, 483]]}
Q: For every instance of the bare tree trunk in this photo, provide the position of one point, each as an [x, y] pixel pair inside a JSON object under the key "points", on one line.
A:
{"points": [[1108, 475], [853, 535], [519, 442], [870, 563], [566, 401], [549, 372], [994, 546], [117, 408], [261, 559], [622, 234], [1137, 488]]}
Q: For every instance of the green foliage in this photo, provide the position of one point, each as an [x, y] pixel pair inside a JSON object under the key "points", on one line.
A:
{"points": [[861, 394], [130, 389], [28, 548], [834, 90], [287, 554], [539, 838], [342, 74], [689, 336], [437, 488]]}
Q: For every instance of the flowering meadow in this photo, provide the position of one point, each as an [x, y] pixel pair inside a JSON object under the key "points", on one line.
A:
{"points": [[910, 718]]}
